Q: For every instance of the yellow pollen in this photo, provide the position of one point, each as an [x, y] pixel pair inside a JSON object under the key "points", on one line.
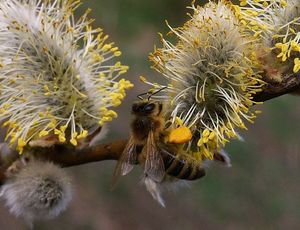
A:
{"points": [[143, 79], [180, 135], [297, 65], [43, 133], [73, 142]]}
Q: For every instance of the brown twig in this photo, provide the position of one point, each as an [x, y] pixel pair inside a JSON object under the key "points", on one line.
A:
{"points": [[289, 84], [70, 156], [111, 151]]}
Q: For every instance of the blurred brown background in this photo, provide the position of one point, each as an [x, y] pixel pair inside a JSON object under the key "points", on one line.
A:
{"points": [[260, 191]]}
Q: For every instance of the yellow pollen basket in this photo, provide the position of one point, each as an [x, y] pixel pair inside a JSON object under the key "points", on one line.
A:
{"points": [[180, 135]]}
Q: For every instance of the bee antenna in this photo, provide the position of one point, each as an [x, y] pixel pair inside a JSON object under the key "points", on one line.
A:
{"points": [[156, 92], [140, 96]]}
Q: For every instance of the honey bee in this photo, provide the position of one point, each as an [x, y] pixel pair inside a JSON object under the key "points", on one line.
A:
{"points": [[180, 168], [146, 147], [146, 127]]}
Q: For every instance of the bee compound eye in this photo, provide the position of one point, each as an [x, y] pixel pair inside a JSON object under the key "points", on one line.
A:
{"points": [[149, 107]]}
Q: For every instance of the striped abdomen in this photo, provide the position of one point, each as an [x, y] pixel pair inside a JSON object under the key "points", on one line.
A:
{"points": [[181, 169]]}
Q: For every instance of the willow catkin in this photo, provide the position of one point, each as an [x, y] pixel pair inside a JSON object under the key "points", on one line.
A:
{"points": [[57, 73], [39, 190], [212, 74]]}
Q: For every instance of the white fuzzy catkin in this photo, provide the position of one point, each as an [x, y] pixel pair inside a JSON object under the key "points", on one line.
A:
{"points": [[277, 23], [57, 74], [212, 75], [40, 190]]}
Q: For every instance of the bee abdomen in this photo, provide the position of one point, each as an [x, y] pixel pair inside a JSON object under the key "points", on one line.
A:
{"points": [[197, 173], [181, 169]]}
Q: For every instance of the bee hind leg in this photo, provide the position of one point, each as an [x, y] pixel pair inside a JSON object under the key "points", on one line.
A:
{"points": [[154, 189]]}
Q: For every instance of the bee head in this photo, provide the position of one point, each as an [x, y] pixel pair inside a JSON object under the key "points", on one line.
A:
{"points": [[147, 108]]}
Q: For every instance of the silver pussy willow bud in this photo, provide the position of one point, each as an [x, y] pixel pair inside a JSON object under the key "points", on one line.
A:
{"points": [[40, 190]]}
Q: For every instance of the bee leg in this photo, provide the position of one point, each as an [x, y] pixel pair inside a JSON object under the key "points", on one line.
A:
{"points": [[154, 189], [140, 156], [141, 159]]}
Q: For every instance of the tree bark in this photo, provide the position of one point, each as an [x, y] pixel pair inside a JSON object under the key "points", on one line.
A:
{"points": [[289, 84]]}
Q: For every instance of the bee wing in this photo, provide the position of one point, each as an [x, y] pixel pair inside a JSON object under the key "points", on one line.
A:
{"points": [[222, 157], [127, 160], [154, 165]]}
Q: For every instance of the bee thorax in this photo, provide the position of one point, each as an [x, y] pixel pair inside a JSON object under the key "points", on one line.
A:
{"points": [[141, 126]]}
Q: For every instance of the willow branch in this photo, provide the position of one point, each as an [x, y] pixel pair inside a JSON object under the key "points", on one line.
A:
{"points": [[289, 84], [112, 151], [67, 157]]}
